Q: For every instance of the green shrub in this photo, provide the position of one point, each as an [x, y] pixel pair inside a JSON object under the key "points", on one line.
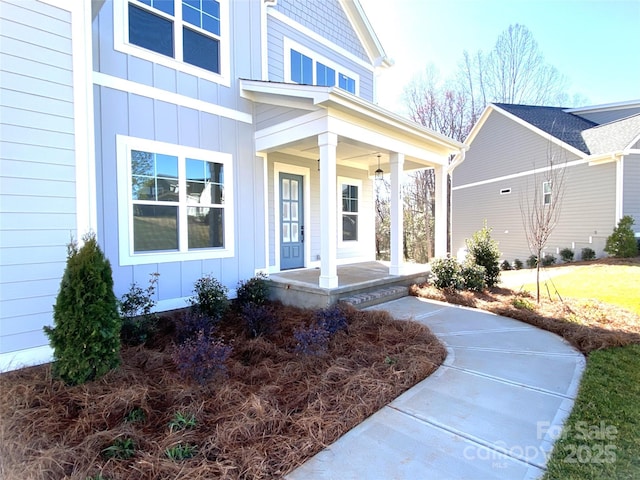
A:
{"points": [[505, 265], [548, 260], [517, 264], [523, 304], [121, 448], [447, 273], [86, 335], [588, 254], [622, 242], [138, 322], [483, 250], [473, 277], [255, 290], [210, 298], [566, 254], [532, 261]]}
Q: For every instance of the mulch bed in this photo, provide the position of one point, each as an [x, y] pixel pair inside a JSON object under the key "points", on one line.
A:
{"points": [[275, 410]]}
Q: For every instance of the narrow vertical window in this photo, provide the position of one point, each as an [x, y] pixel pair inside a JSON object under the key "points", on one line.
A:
{"points": [[349, 212], [301, 68], [546, 193]]}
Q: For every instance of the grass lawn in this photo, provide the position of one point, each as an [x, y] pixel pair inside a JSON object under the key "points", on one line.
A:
{"points": [[613, 284], [600, 316]]}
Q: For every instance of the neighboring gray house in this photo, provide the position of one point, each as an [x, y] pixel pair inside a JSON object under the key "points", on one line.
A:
{"points": [[509, 147], [222, 137]]}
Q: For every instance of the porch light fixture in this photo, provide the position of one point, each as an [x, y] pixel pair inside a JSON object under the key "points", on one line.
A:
{"points": [[379, 172]]}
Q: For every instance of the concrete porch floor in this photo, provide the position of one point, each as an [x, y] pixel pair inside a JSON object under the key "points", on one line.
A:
{"points": [[301, 287]]}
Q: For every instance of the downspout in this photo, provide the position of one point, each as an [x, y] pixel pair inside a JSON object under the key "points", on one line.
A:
{"points": [[619, 187]]}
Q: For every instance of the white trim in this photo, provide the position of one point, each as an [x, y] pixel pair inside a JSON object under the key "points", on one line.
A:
{"points": [[265, 205], [535, 171], [264, 41], [25, 358], [619, 189], [305, 172], [365, 33], [124, 145], [121, 43], [155, 93], [86, 208], [318, 38], [289, 45], [605, 107], [350, 243]]}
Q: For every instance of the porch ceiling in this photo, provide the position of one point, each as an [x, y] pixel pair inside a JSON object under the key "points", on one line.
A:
{"points": [[364, 130]]}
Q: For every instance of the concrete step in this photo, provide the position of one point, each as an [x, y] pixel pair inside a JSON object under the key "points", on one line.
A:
{"points": [[376, 297]]}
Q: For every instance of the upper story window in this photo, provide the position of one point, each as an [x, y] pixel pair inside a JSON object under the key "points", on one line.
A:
{"points": [[308, 68], [546, 193], [177, 202], [180, 34]]}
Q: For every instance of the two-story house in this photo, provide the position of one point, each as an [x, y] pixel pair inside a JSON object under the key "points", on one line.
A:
{"points": [[194, 137], [510, 150]]}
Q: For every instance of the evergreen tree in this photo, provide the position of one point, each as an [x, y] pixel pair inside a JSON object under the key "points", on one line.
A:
{"points": [[622, 242], [86, 335], [483, 251]]}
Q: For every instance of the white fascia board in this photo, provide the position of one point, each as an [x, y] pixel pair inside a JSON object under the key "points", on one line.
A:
{"points": [[277, 136], [260, 91], [478, 125], [365, 32], [629, 148], [604, 107], [540, 132], [605, 158]]}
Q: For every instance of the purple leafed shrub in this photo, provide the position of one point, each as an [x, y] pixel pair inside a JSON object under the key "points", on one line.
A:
{"points": [[312, 340], [259, 319], [194, 321], [202, 358], [332, 319]]}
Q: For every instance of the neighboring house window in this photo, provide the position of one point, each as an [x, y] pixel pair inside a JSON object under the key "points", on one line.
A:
{"points": [[178, 200], [546, 193], [349, 212], [301, 68], [189, 31], [308, 68]]}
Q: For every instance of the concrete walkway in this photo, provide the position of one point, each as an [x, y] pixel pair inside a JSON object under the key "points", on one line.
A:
{"points": [[492, 410]]}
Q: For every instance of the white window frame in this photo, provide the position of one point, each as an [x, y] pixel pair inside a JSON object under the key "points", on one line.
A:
{"points": [[121, 40], [315, 58], [356, 183], [124, 146], [545, 194]]}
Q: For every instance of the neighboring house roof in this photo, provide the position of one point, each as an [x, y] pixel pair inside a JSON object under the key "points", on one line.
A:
{"points": [[555, 121], [615, 136]]}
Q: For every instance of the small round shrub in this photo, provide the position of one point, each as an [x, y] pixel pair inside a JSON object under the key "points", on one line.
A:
{"points": [[332, 319], [202, 358], [473, 277], [505, 265], [210, 298], [532, 261], [588, 254], [447, 273], [312, 340], [548, 260], [86, 335], [566, 254], [138, 321], [622, 242], [192, 322], [517, 264], [259, 319], [255, 290]]}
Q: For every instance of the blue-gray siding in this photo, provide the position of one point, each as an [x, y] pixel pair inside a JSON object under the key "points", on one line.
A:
{"points": [[37, 169]]}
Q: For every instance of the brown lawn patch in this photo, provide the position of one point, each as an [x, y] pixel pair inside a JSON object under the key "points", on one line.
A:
{"points": [[587, 325], [275, 410]]}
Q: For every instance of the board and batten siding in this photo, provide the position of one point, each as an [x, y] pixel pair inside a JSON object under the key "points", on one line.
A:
{"points": [[631, 189], [37, 174], [277, 31]]}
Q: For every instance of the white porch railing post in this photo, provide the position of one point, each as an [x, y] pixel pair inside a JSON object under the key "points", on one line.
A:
{"points": [[440, 233], [397, 217], [328, 142]]}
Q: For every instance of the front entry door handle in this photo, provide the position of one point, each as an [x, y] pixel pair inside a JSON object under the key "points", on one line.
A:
{"points": [[302, 234]]}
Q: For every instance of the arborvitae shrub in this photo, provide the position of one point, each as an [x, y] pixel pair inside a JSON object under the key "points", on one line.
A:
{"points": [[86, 333], [483, 250], [622, 242]]}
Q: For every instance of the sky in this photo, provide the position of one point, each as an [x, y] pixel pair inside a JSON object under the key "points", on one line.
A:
{"points": [[594, 43]]}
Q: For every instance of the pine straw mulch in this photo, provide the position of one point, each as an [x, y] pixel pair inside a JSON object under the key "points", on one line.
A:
{"points": [[275, 410], [588, 325]]}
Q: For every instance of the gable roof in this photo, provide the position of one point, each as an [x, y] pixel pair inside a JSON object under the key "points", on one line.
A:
{"points": [[614, 136], [555, 121]]}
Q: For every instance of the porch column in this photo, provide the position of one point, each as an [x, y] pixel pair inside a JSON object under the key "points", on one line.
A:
{"points": [[397, 218], [440, 233], [328, 142]]}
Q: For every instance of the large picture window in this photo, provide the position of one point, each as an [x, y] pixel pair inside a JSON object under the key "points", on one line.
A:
{"points": [[193, 33], [177, 200]]}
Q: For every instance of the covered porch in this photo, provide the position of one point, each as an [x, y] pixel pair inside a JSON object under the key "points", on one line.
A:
{"points": [[319, 133]]}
